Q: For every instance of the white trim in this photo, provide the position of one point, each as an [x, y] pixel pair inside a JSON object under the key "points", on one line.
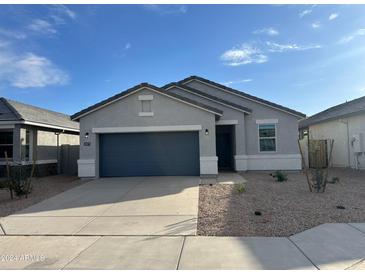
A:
{"points": [[256, 101], [267, 121], [141, 88], [86, 161], [147, 129], [268, 162], [148, 97], [276, 139], [86, 167], [208, 165], [240, 162], [50, 126], [145, 114], [37, 124], [226, 122], [216, 101], [38, 162]]}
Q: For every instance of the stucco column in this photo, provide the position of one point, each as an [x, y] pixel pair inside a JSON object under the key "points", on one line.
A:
{"points": [[240, 157], [17, 145]]}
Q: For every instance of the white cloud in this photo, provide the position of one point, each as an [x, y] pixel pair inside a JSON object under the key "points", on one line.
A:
{"points": [[64, 10], [276, 47], [243, 55], [305, 12], [166, 9], [42, 26], [127, 46], [349, 38], [333, 16], [316, 25], [269, 31], [12, 34], [229, 83], [29, 70]]}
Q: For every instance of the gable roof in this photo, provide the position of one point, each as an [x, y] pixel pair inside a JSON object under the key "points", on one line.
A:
{"points": [[340, 111], [136, 88], [36, 115], [242, 94], [207, 96]]}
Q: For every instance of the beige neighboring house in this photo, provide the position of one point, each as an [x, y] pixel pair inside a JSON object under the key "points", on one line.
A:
{"points": [[345, 124], [30, 133]]}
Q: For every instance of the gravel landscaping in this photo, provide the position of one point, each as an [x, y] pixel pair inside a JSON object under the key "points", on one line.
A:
{"points": [[43, 188], [287, 207]]}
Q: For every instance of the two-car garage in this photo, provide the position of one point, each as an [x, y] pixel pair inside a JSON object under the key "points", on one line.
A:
{"points": [[149, 154]]}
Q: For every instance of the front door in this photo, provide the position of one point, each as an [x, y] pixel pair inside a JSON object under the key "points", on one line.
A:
{"points": [[225, 146]]}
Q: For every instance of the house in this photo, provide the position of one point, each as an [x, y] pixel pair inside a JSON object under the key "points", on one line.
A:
{"points": [[191, 127], [345, 124], [29, 133]]}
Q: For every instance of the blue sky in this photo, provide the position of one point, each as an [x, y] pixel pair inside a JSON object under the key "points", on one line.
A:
{"points": [[65, 58]]}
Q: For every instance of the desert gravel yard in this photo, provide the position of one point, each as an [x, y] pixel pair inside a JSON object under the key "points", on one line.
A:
{"points": [[43, 188], [287, 207]]}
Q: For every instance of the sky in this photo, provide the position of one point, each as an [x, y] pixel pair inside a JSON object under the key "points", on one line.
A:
{"points": [[68, 57]]}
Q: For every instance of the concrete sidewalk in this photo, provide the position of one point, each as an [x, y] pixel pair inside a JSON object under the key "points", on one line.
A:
{"points": [[328, 246]]}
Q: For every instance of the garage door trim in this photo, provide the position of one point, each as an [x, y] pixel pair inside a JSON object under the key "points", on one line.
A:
{"points": [[147, 129]]}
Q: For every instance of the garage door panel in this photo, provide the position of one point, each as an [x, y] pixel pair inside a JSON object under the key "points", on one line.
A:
{"points": [[149, 154]]}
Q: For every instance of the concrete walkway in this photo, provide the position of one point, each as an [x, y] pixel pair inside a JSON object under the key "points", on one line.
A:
{"points": [[114, 206], [328, 246]]}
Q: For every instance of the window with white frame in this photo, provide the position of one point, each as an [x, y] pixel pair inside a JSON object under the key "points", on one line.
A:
{"points": [[145, 105], [267, 137]]}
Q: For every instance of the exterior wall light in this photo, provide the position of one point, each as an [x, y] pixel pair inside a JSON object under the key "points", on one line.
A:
{"points": [[206, 131]]}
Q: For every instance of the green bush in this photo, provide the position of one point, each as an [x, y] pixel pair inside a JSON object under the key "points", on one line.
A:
{"points": [[241, 188], [280, 176]]}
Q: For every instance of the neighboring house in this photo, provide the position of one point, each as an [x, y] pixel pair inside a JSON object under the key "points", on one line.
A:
{"points": [[30, 133], [193, 127], [345, 124]]}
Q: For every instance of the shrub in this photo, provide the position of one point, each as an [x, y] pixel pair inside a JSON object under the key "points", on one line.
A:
{"points": [[241, 188], [280, 176]]}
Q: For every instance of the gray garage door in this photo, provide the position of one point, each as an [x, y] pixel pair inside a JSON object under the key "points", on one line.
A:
{"points": [[149, 154]]}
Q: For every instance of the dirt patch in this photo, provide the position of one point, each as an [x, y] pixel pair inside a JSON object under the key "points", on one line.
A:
{"points": [[43, 188], [286, 207]]}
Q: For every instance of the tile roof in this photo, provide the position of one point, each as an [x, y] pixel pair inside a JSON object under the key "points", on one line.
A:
{"points": [[83, 112], [34, 114], [199, 92], [241, 93], [340, 111]]}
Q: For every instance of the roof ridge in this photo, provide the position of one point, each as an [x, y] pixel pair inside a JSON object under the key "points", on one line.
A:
{"points": [[202, 93], [34, 107], [238, 92], [127, 91], [335, 107]]}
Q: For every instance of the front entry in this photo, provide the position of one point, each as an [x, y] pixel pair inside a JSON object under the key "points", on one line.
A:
{"points": [[225, 146]]}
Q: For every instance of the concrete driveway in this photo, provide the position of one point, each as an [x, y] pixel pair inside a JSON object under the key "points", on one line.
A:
{"points": [[114, 206]]}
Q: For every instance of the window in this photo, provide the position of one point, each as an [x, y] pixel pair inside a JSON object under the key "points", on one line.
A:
{"points": [[6, 144], [267, 137], [146, 105]]}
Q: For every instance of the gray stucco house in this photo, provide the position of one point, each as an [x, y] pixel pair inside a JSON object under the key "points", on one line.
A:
{"points": [[29, 133], [191, 127]]}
